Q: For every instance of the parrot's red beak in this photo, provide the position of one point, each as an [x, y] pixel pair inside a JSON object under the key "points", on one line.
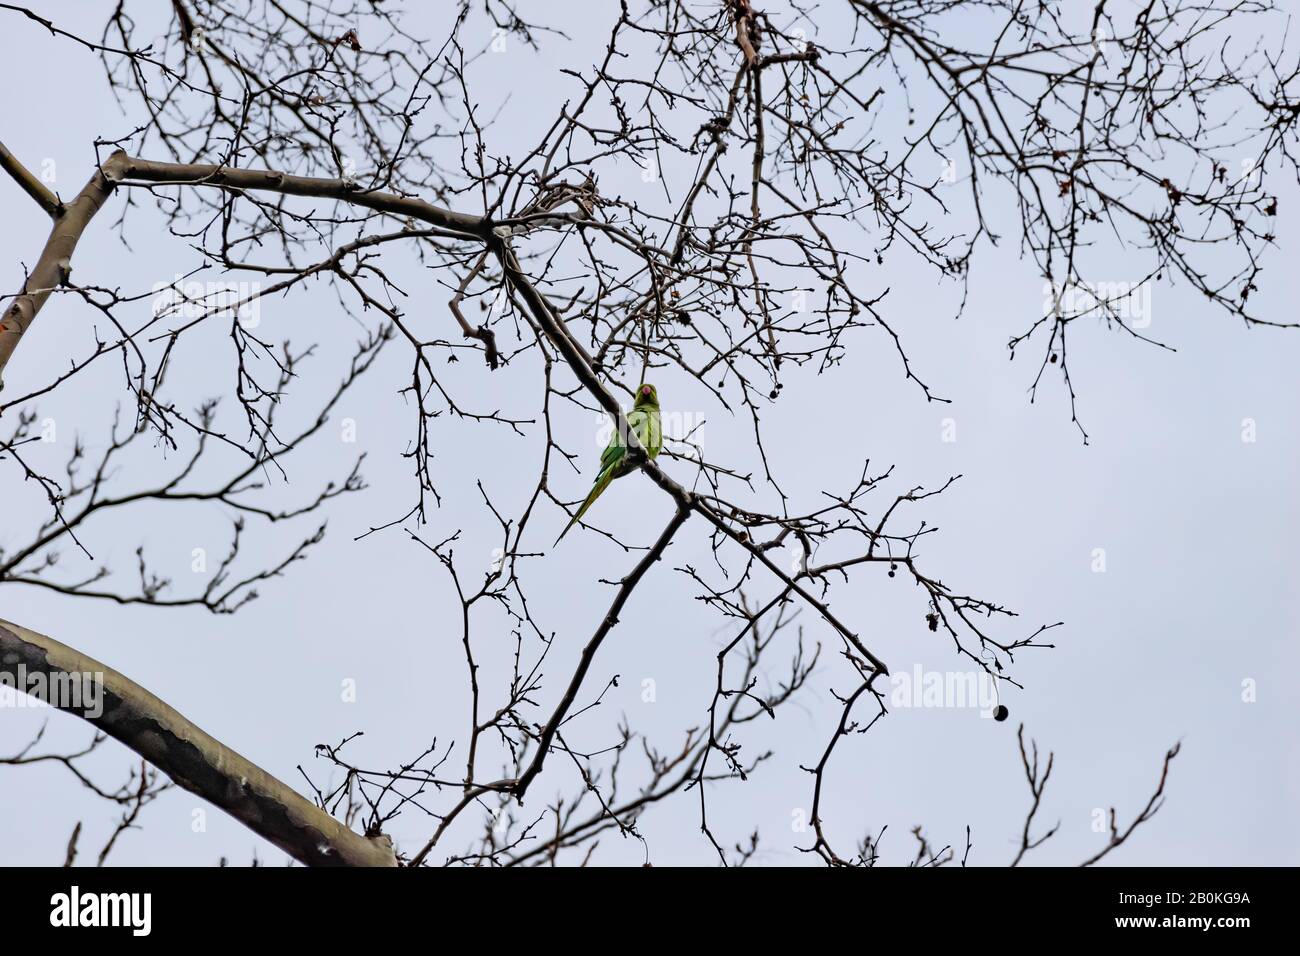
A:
{"points": [[646, 391]]}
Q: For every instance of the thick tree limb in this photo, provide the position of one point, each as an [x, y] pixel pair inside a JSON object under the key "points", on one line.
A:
{"points": [[55, 262], [196, 761], [344, 190], [70, 221], [30, 184]]}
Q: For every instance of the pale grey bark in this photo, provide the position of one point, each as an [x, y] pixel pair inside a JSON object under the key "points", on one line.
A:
{"points": [[194, 759]]}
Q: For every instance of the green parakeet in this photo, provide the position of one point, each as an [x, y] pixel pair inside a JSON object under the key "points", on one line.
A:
{"points": [[614, 460]]}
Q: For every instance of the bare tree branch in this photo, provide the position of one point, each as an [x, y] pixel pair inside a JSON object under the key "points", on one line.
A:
{"points": [[193, 759]]}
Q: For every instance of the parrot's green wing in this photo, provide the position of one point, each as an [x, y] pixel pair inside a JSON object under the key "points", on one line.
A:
{"points": [[611, 460], [649, 432], [613, 454]]}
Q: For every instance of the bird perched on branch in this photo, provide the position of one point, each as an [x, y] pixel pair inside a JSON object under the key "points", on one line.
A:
{"points": [[616, 460]]}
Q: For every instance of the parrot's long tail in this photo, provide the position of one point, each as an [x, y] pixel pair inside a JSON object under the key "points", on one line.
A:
{"points": [[602, 482]]}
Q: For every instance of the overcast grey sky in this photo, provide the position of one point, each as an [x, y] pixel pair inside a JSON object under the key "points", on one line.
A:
{"points": [[1198, 527]]}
